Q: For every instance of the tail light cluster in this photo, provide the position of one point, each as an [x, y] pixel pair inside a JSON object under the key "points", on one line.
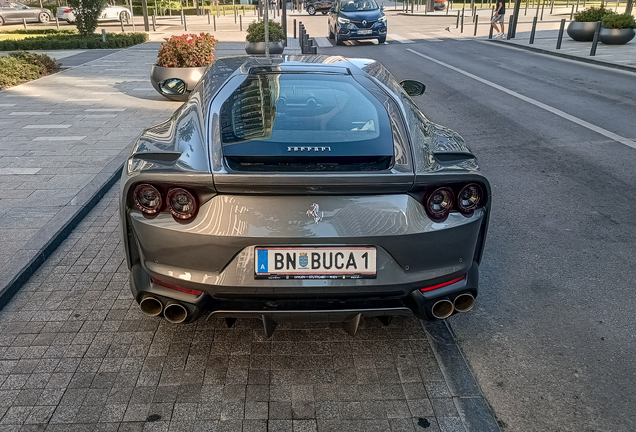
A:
{"points": [[443, 200], [178, 201]]}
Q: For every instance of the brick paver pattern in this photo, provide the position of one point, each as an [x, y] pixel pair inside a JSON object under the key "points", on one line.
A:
{"points": [[76, 354]]}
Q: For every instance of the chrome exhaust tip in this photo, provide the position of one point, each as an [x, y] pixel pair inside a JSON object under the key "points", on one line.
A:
{"points": [[464, 302], [175, 312], [151, 306], [442, 309]]}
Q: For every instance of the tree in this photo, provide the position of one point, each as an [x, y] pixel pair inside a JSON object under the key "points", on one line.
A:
{"points": [[86, 14]]}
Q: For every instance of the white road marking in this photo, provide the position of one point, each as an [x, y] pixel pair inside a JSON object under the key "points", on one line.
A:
{"points": [[105, 109], [323, 42], [92, 85], [55, 126], [113, 61], [6, 105], [29, 113], [59, 138], [86, 116], [82, 100], [562, 114], [13, 171], [399, 38], [428, 38]]}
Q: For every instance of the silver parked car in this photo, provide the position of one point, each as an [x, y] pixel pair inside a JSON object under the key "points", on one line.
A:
{"points": [[109, 13], [302, 188], [13, 12]]}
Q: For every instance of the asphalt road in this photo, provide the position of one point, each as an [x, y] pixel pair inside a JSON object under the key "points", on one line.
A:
{"points": [[552, 338]]}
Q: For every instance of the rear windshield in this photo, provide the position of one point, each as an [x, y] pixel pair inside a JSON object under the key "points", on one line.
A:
{"points": [[303, 109]]}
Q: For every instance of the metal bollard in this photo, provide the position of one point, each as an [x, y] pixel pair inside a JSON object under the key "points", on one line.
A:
{"points": [[214, 20], [57, 24], [24, 22], [185, 23], [120, 22], [182, 16], [241, 22], [234, 15], [154, 23], [551, 7], [525, 12], [577, 5], [104, 35], [509, 35], [476, 24], [542, 6], [572, 13], [462, 23], [595, 41], [560, 37], [457, 25], [294, 29], [534, 29], [208, 12], [490, 33]]}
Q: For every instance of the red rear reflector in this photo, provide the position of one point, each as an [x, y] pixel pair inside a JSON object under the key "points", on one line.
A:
{"points": [[67, 11], [176, 288], [450, 282]]}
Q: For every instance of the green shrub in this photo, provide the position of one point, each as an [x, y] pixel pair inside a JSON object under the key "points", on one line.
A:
{"points": [[46, 64], [40, 31], [22, 66], [86, 14], [66, 41], [621, 21], [188, 50], [592, 14], [256, 32]]}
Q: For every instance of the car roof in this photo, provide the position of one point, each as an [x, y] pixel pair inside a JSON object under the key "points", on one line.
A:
{"points": [[304, 63]]}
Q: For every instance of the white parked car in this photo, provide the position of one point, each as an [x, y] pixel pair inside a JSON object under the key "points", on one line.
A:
{"points": [[110, 13]]}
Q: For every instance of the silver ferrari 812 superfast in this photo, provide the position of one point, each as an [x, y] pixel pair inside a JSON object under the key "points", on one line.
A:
{"points": [[302, 188]]}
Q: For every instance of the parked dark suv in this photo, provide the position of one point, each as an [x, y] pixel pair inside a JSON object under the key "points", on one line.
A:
{"points": [[357, 19], [313, 6]]}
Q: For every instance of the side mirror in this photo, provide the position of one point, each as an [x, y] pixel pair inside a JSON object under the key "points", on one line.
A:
{"points": [[412, 87], [173, 87]]}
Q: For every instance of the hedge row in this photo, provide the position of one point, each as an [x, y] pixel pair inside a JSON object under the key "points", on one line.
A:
{"points": [[229, 10], [66, 41], [22, 66], [39, 31]]}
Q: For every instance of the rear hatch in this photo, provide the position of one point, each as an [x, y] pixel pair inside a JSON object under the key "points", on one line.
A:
{"points": [[311, 131]]}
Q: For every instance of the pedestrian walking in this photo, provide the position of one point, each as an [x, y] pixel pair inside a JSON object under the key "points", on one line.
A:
{"points": [[498, 18]]}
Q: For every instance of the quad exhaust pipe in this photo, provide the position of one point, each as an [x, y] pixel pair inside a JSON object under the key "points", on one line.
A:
{"points": [[175, 312], [151, 306], [444, 308]]}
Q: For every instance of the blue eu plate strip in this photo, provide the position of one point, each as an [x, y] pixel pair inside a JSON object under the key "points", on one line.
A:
{"points": [[262, 261]]}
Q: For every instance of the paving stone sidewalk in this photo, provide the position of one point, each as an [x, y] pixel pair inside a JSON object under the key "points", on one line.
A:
{"points": [[76, 354], [62, 138]]}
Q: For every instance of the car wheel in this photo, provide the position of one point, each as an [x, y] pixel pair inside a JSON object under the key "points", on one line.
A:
{"points": [[382, 40], [44, 17], [311, 10], [124, 17], [324, 12], [1, 21]]}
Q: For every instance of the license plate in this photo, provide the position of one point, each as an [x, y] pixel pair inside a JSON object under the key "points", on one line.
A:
{"points": [[365, 32], [315, 263]]}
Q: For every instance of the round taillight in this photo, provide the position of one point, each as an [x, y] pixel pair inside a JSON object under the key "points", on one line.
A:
{"points": [[182, 203], [439, 203], [147, 198], [469, 198]]}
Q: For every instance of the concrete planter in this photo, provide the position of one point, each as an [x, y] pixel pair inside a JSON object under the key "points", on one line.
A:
{"points": [[190, 75], [616, 36], [259, 47], [581, 31]]}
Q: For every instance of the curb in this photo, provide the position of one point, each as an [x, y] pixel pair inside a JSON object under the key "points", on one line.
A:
{"points": [[35, 252], [475, 412], [566, 56]]}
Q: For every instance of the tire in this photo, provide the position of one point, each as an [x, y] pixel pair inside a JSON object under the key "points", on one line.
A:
{"points": [[44, 17], [337, 39], [311, 10], [123, 16], [324, 12], [1, 21], [382, 40]]}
